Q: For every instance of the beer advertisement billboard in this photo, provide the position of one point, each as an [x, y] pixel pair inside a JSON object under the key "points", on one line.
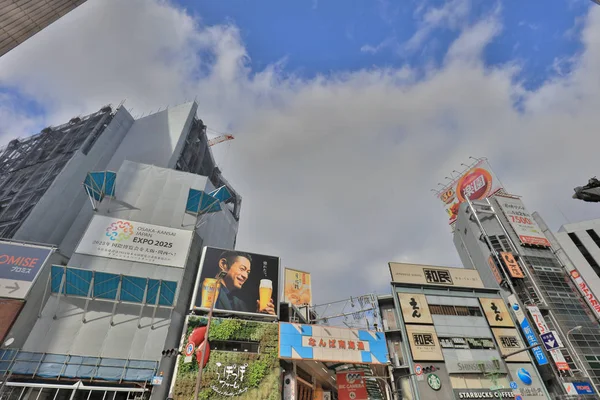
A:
{"points": [[249, 283], [297, 287], [477, 183], [522, 222], [415, 309], [424, 343]]}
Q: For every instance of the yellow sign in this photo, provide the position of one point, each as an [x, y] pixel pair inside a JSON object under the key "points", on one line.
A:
{"points": [[508, 341], [415, 309], [424, 343], [496, 312], [430, 275], [297, 288]]}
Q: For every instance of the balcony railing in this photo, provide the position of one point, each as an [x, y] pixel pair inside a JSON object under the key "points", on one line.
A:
{"points": [[45, 365]]}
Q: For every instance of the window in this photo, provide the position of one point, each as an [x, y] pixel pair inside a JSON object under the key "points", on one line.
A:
{"points": [[455, 310], [235, 346], [594, 236], [585, 253]]}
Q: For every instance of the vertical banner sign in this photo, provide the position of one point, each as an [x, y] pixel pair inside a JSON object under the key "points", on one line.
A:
{"points": [[540, 357], [351, 386], [542, 328], [512, 265], [495, 270], [415, 309], [477, 183], [297, 289], [522, 222], [587, 293]]}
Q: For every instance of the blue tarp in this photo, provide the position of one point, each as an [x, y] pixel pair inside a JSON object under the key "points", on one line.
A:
{"points": [[222, 194], [100, 184], [200, 202]]}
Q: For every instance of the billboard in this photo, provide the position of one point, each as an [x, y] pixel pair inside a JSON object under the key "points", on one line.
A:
{"points": [[325, 343], [495, 270], [522, 222], [243, 361], [511, 265], [351, 385], [496, 312], [587, 292], [539, 354], [477, 183], [529, 384], [135, 241], [9, 311], [542, 327], [297, 287], [508, 341], [415, 309], [20, 264], [430, 275], [250, 285], [424, 343]]}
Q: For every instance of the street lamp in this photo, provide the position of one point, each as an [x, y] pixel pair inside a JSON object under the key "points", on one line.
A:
{"points": [[205, 341], [578, 327]]}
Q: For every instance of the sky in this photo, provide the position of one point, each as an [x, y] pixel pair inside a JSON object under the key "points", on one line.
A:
{"points": [[346, 113]]}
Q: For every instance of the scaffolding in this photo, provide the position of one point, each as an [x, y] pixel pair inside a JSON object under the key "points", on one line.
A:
{"points": [[29, 166]]}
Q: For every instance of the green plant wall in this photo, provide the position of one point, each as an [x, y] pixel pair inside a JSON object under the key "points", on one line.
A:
{"points": [[258, 380]]}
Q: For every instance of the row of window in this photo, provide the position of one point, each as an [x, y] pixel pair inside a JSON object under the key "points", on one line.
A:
{"points": [[455, 310]]}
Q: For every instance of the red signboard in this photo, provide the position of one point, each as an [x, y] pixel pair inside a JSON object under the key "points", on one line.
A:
{"points": [[352, 386]]}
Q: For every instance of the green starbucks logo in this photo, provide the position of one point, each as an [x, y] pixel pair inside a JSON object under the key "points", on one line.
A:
{"points": [[434, 382]]}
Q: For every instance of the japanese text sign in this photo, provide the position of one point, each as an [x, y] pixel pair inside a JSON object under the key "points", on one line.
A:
{"points": [[424, 343], [496, 312], [542, 328], [511, 265], [297, 287], [587, 292], [539, 354], [508, 341], [351, 385], [135, 241], [19, 266], [477, 183], [414, 308], [429, 275], [324, 343], [495, 270], [522, 222]]}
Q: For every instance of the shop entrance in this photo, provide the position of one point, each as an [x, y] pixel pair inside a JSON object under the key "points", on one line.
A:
{"points": [[78, 391]]}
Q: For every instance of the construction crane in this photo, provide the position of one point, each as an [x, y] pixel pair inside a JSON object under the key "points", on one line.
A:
{"points": [[219, 139]]}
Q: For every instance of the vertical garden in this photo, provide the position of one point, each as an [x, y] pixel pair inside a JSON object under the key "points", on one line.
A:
{"points": [[233, 374]]}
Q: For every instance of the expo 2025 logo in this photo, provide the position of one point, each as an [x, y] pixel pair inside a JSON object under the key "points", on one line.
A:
{"points": [[120, 230]]}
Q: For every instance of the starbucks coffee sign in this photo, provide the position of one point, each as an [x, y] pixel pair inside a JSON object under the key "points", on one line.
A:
{"points": [[483, 394], [475, 367]]}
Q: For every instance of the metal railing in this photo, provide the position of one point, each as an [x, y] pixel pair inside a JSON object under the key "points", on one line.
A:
{"points": [[46, 365]]}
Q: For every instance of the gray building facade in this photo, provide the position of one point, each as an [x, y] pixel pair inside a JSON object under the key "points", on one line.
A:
{"points": [[483, 236], [102, 322]]}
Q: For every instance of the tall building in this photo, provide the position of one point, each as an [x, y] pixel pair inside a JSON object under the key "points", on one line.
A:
{"points": [[500, 239], [450, 337], [102, 313], [21, 19]]}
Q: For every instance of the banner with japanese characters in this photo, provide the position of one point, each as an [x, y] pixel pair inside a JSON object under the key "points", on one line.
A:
{"points": [[522, 222], [415, 309], [424, 343], [477, 183], [135, 241], [432, 275], [331, 344]]}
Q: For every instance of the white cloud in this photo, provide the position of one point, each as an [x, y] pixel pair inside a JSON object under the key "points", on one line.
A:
{"points": [[385, 43], [335, 171]]}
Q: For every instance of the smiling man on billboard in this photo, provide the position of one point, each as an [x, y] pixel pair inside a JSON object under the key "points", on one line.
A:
{"points": [[238, 265]]}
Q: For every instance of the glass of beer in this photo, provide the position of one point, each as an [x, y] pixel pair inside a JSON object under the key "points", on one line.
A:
{"points": [[210, 292], [265, 290]]}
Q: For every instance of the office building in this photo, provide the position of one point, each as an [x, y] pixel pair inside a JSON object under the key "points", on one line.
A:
{"points": [[507, 245], [578, 245], [21, 19], [96, 322], [450, 337]]}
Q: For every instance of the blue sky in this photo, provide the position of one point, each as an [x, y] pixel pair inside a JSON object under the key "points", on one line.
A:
{"points": [[348, 113], [319, 37]]}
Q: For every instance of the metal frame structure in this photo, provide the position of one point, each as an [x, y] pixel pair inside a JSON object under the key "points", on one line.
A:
{"points": [[29, 166]]}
